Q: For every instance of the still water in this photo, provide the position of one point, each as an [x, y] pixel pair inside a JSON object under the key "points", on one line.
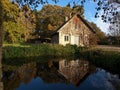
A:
{"points": [[58, 75]]}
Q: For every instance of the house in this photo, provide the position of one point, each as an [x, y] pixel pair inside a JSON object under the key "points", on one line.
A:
{"points": [[74, 31]]}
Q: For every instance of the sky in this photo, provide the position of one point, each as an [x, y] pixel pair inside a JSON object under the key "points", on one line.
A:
{"points": [[89, 13]]}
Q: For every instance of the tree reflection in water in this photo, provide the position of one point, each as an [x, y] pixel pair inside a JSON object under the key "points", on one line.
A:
{"points": [[13, 78], [53, 72], [1, 83]]}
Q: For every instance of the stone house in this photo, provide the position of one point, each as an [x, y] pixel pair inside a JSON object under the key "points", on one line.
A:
{"points": [[74, 31]]}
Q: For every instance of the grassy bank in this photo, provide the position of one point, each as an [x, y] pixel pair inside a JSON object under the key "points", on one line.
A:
{"points": [[109, 60], [36, 50], [14, 55]]}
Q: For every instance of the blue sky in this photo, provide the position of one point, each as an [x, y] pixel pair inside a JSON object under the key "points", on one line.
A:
{"points": [[89, 13]]}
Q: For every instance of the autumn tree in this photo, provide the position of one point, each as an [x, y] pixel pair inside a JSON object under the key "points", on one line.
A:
{"points": [[28, 20], [10, 26], [18, 22], [50, 17], [1, 24], [99, 35]]}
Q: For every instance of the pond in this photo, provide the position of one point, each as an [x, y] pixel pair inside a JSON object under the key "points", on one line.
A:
{"points": [[57, 74]]}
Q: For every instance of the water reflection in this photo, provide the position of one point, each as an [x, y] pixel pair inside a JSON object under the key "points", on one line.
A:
{"points": [[26, 72], [12, 78], [49, 75], [74, 70]]}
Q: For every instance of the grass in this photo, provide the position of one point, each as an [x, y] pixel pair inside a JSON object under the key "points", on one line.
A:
{"points": [[36, 50]]}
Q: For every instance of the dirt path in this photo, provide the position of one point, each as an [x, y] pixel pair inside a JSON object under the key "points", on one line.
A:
{"points": [[108, 48]]}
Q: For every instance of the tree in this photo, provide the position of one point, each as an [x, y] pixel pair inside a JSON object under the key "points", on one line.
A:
{"points": [[1, 22], [52, 16], [29, 22], [18, 22], [92, 39], [11, 26], [114, 30], [99, 35], [109, 7]]}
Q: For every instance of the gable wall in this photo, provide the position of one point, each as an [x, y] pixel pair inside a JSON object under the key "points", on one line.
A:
{"points": [[74, 27]]}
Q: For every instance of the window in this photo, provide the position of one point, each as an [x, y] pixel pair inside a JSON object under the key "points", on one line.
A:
{"points": [[66, 38]]}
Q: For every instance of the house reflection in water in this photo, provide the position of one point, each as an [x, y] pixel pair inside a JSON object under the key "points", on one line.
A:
{"points": [[74, 70]]}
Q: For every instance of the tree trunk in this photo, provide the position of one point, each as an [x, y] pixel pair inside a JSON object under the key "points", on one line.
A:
{"points": [[1, 22]]}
